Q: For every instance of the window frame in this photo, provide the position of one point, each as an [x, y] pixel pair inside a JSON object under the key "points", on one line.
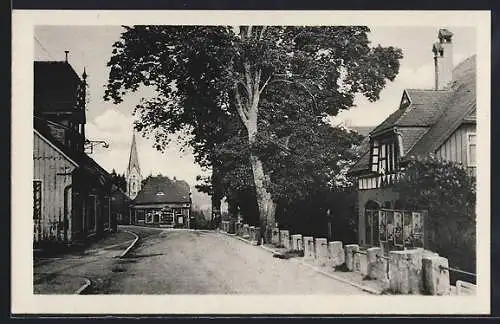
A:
{"points": [[469, 163]]}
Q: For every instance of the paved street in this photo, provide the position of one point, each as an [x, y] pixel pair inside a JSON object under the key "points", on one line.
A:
{"points": [[169, 261], [194, 262], [65, 274]]}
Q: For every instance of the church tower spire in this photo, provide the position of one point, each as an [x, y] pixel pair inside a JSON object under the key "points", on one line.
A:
{"points": [[133, 174]]}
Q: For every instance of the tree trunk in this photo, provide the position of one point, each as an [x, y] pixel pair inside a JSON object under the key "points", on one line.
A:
{"points": [[267, 207], [216, 197]]}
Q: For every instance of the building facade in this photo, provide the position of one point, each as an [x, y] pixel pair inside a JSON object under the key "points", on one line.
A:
{"points": [[52, 191], [163, 202], [71, 192], [439, 121]]}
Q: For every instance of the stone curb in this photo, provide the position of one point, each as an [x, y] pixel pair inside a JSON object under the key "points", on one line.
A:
{"points": [[83, 287], [364, 288], [131, 245]]}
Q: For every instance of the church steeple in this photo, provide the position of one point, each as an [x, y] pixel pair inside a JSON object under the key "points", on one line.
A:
{"points": [[133, 161], [133, 174]]}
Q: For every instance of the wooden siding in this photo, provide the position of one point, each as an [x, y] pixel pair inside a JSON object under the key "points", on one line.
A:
{"points": [[53, 169], [455, 147]]}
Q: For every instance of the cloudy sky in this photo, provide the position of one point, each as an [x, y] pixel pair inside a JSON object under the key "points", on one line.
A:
{"points": [[90, 48]]}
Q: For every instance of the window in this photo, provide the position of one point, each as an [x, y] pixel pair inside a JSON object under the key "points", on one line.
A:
{"points": [[375, 152], [384, 156], [167, 217], [471, 149]]}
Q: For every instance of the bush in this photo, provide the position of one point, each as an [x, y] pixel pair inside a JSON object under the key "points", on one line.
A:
{"points": [[198, 220], [448, 191]]}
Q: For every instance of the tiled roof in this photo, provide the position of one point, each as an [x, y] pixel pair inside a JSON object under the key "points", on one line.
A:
{"points": [[161, 189], [461, 106], [424, 109], [432, 116]]}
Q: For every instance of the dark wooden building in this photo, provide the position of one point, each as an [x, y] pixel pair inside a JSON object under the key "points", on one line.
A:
{"points": [[71, 192]]}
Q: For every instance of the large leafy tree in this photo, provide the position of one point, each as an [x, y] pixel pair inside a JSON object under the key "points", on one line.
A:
{"points": [[203, 74]]}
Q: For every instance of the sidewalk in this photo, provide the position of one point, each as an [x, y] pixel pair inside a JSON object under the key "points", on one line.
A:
{"points": [[353, 278], [67, 273]]}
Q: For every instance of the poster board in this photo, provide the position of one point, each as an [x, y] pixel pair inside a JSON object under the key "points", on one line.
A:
{"points": [[382, 226], [398, 228], [418, 228], [390, 225], [403, 228]]}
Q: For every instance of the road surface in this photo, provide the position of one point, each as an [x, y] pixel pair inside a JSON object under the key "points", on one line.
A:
{"points": [[195, 262]]}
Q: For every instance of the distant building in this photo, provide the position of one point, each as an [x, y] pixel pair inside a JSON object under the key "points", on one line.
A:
{"points": [[163, 201], [133, 174], [441, 121]]}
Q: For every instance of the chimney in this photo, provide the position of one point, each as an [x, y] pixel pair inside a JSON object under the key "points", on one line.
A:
{"points": [[66, 56], [443, 59]]}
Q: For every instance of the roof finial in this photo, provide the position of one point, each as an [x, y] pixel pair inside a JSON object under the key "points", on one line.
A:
{"points": [[66, 54], [84, 74]]}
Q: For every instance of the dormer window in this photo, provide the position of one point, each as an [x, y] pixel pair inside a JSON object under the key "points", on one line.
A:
{"points": [[384, 156]]}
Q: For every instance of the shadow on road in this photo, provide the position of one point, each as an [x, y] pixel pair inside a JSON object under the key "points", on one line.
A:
{"points": [[145, 255]]}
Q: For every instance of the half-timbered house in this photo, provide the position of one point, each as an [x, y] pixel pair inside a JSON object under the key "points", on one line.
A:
{"points": [[441, 121]]}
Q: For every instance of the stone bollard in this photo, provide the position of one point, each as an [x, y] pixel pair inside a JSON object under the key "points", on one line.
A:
{"points": [[257, 235], [246, 231], [349, 256], [398, 272], [377, 264], [415, 274], [308, 247], [362, 264], [285, 239], [321, 253], [297, 242], [405, 272], [232, 227], [336, 253], [275, 237], [436, 280], [252, 233]]}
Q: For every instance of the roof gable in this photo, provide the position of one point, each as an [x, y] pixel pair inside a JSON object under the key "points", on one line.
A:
{"points": [[55, 147], [418, 108]]}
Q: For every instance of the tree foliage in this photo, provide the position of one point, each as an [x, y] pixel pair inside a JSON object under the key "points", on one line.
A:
{"points": [[119, 180], [221, 80], [448, 191]]}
